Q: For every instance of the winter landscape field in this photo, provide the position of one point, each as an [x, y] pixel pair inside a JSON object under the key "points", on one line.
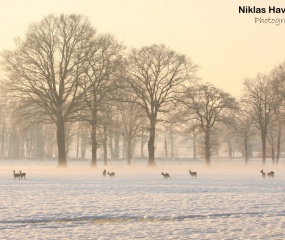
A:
{"points": [[225, 201]]}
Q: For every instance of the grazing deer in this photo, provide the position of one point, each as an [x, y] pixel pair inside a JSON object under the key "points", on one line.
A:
{"points": [[263, 173], [112, 174], [193, 174], [104, 173], [22, 175], [166, 175], [16, 175], [270, 174]]}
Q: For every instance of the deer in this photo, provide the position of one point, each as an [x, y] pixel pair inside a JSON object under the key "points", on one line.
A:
{"points": [[104, 173], [16, 175], [22, 175], [166, 175], [263, 173], [193, 174], [270, 174], [112, 174]]}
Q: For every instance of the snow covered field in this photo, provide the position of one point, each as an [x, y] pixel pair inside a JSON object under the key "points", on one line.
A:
{"points": [[224, 202]]}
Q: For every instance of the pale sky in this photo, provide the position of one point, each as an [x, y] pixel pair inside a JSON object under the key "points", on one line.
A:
{"points": [[227, 45]]}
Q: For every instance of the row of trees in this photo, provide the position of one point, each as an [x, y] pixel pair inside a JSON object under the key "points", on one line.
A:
{"points": [[64, 73]]}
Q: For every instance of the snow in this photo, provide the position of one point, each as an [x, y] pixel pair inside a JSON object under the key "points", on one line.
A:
{"points": [[224, 202]]}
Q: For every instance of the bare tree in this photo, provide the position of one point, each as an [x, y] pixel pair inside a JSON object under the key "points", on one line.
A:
{"points": [[272, 137], [189, 128], [171, 131], [4, 117], [143, 138], [115, 130], [69, 136], [205, 106], [99, 81], [132, 119], [44, 70], [82, 137], [103, 128], [154, 74], [229, 135], [171, 124], [278, 83], [260, 103], [244, 128], [32, 140]]}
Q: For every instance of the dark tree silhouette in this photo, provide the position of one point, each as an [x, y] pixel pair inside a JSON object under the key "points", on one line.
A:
{"points": [[44, 69], [205, 105], [155, 74], [100, 79], [260, 103]]}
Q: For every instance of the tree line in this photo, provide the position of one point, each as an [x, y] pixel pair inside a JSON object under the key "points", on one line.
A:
{"points": [[64, 75]]}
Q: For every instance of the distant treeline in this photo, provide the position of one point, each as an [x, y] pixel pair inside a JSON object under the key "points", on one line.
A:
{"points": [[68, 88]]}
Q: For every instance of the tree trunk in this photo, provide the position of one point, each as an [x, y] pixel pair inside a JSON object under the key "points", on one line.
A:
{"points": [[62, 162], [111, 147], [77, 145], [133, 146], [94, 144], [3, 139], [123, 147], [172, 144], [129, 151], [207, 148], [105, 140], [230, 149], [117, 144], [273, 154], [278, 143], [194, 146], [245, 150], [165, 145], [83, 146], [142, 143], [151, 141], [263, 140]]}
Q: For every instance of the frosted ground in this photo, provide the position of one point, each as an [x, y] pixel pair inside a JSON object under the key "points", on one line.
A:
{"points": [[224, 202]]}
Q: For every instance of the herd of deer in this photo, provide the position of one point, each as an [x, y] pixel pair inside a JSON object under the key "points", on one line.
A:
{"points": [[269, 174], [194, 174], [111, 174], [19, 175], [167, 176]]}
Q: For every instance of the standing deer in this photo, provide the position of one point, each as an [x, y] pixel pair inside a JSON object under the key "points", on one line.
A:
{"points": [[112, 174], [166, 175], [22, 175], [16, 175], [263, 173], [193, 174], [104, 173], [270, 174]]}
